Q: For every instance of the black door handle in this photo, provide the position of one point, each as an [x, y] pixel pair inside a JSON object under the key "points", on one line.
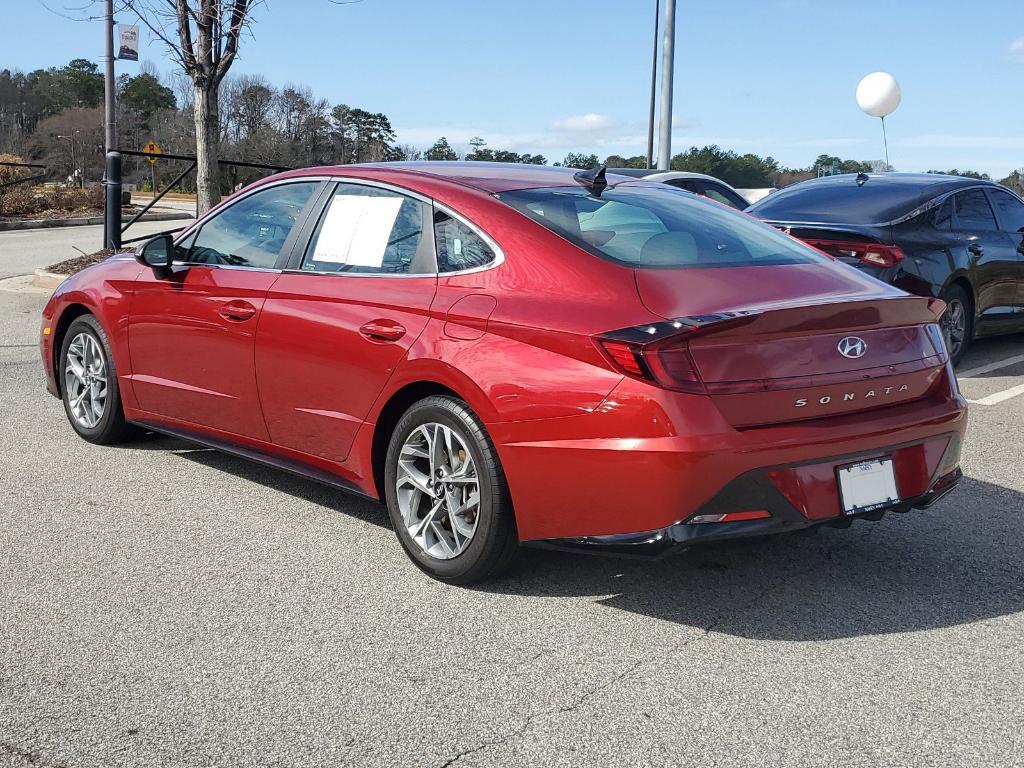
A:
{"points": [[976, 249]]}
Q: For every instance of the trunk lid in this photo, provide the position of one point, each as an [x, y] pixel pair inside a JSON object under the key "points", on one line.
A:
{"points": [[787, 362]]}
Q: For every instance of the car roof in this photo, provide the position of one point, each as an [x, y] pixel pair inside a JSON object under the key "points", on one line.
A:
{"points": [[489, 177], [645, 173], [931, 182], [882, 198]]}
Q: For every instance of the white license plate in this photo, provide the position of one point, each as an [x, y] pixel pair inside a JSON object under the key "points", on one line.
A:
{"points": [[867, 485]]}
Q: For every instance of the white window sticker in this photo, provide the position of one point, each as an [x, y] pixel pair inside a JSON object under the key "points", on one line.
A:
{"points": [[356, 230]]}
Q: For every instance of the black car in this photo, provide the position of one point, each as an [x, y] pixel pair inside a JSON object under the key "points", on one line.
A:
{"points": [[955, 238]]}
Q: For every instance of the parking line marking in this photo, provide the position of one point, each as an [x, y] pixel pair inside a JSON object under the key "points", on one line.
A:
{"points": [[998, 397], [1006, 363]]}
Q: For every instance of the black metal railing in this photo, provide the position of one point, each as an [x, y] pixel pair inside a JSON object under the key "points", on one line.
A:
{"points": [[112, 227], [37, 177]]}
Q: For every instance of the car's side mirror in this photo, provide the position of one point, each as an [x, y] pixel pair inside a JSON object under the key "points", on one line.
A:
{"points": [[157, 253]]}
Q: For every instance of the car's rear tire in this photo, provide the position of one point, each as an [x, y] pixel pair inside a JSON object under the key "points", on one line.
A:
{"points": [[957, 322], [438, 457], [88, 384]]}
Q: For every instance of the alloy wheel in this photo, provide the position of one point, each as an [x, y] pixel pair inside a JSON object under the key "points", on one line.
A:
{"points": [[85, 380], [438, 490], [954, 326]]}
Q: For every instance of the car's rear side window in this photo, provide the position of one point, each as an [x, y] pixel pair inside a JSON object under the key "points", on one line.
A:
{"points": [[647, 226], [944, 215], [973, 211], [368, 230], [458, 247]]}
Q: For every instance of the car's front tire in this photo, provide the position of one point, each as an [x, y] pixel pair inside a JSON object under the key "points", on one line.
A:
{"points": [[88, 383], [957, 322], [446, 493]]}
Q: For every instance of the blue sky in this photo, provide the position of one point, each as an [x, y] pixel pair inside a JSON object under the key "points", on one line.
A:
{"points": [[775, 77]]}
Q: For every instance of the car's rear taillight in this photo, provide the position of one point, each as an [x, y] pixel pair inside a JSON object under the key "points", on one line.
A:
{"points": [[878, 254], [658, 352]]}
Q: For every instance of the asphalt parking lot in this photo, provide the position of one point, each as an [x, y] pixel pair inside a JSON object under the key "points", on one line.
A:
{"points": [[167, 605]]}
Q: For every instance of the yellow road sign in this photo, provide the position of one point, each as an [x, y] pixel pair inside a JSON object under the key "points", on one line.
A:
{"points": [[153, 148]]}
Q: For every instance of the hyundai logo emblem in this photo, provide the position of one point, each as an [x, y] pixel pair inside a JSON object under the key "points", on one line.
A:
{"points": [[852, 347]]}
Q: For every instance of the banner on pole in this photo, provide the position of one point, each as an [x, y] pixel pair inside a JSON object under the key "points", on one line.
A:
{"points": [[129, 50]]}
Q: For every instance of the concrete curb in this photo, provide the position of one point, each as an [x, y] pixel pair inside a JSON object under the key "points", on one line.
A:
{"points": [[49, 280], [12, 224]]}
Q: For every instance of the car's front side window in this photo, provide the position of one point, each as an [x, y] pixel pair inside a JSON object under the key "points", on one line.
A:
{"points": [[368, 230], [1011, 211], [251, 232], [722, 195]]}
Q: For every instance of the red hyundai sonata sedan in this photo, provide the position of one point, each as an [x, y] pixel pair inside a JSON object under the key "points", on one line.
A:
{"points": [[509, 354]]}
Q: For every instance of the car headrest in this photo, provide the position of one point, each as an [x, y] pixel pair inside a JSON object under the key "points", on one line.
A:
{"points": [[670, 249]]}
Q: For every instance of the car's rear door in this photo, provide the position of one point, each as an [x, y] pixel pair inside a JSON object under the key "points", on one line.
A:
{"points": [[343, 314], [192, 328], [1010, 211], [991, 256]]}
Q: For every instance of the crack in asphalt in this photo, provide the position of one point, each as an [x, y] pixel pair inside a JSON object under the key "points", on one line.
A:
{"points": [[704, 633], [31, 757]]}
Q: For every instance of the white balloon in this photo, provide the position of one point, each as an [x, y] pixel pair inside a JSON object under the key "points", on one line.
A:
{"points": [[878, 94]]}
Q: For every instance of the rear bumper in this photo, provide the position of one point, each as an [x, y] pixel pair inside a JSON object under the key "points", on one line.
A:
{"points": [[646, 462], [785, 518]]}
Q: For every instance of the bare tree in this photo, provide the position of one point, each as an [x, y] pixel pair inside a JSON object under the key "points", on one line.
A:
{"points": [[203, 37]]}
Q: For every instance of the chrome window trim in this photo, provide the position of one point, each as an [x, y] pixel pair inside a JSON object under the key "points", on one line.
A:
{"points": [[499, 254], [224, 266]]}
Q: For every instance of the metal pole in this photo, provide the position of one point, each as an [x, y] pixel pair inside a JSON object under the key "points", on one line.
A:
{"points": [[654, 87], [112, 208], [110, 138], [668, 53]]}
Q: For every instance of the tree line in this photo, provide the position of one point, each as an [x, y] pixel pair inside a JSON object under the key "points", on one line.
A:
{"points": [[54, 116]]}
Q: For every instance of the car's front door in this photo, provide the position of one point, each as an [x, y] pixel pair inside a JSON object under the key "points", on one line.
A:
{"points": [[341, 318], [192, 327], [1010, 211], [990, 256]]}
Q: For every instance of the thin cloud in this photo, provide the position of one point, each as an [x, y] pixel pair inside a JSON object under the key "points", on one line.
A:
{"points": [[587, 123], [1016, 50], [949, 141]]}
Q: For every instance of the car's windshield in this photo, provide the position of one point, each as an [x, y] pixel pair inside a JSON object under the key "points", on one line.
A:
{"points": [[647, 226]]}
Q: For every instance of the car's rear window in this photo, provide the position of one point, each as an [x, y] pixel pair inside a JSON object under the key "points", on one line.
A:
{"points": [[840, 200], [647, 226]]}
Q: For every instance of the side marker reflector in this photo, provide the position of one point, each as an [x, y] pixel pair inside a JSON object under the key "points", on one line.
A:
{"points": [[730, 517]]}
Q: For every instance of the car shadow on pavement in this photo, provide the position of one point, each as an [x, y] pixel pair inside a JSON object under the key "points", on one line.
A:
{"points": [[959, 562], [275, 479]]}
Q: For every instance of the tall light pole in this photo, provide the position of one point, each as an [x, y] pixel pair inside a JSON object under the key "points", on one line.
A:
{"points": [[654, 87], [110, 128], [74, 162], [668, 55]]}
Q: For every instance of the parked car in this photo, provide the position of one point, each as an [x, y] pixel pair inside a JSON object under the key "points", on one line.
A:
{"points": [[698, 183], [958, 239], [508, 354]]}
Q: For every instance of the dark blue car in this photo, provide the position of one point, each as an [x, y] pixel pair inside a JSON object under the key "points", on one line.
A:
{"points": [[955, 238]]}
